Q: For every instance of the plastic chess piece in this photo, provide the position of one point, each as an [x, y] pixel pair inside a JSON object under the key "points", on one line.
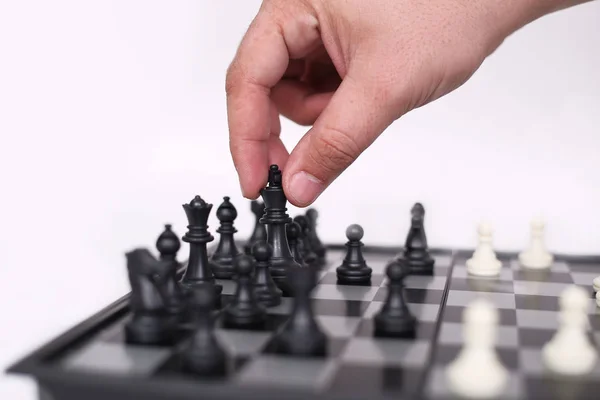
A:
{"points": [[204, 355], [315, 243], [292, 232], [168, 245], [198, 269], [265, 290], [477, 371], [152, 323], [244, 311], [221, 261], [416, 250], [354, 269], [275, 218], [259, 233], [484, 261], [598, 298], [570, 352], [536, 256], [308, 255], [596, 284], [300, 335], [395, 318]]}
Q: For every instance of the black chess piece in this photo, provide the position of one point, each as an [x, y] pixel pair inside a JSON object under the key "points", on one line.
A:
{"points": [[265, 290], [308, 255], [315, 243], [221, 261], [244, 310], [168, 245], [204, 355], [292, 232], [415, 249], [354, 269], [260, 232], [301, 334], [275, 218], [152, 323], [395, 319], [198, 270]]}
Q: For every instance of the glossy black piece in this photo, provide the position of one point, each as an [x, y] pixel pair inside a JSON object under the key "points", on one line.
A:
{"points": [[259, 233], [221, 261], [292, 232], [304, 246], [316, 245], [168, 245], [198, 270], [275, 218], [244, 310], [395, 319], [152, 321], [265, 289], [354, 269], [300, 335], [204, 355], [416, 251]]}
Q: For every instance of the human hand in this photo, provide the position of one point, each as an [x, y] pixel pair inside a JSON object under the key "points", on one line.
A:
{"points": [[350, 68]]}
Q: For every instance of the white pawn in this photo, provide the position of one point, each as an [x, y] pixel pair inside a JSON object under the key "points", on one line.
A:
{"points": [[596, 284], [484, 261], [570, 352], [477, 371], [598, 298], [536, 256]]}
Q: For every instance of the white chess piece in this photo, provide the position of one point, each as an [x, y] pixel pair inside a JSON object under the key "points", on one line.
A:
{"points": [[536, 256], [570, 352], [484, 261], [477, 371], [596, 284], [598, 298]]}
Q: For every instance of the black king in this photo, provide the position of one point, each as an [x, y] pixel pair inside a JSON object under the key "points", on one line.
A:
{"points": [[275, 219]]}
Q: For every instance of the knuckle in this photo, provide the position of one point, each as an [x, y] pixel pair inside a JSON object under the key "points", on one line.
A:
{"points": [[334, 150]]}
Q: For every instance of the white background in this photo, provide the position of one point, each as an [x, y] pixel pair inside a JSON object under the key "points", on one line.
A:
{"points": [[112, 115]]}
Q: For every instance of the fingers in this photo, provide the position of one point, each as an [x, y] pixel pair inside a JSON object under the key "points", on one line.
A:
{"points": [[260, 62], [356, 115], [297, 101]]}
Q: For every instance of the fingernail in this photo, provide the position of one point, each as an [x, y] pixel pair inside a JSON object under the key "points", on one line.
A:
{"points": [[304, 188]]}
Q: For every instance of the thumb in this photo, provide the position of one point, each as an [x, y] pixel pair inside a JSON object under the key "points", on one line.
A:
{"points": [[357, 114]]}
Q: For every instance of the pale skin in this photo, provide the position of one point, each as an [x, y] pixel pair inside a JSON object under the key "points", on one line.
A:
{"points": [[349, 69]]}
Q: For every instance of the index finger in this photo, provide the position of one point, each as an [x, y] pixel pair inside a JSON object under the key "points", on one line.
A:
{"points": [[260, 62]]}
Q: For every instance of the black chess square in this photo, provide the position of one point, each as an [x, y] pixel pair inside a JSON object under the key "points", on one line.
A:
{"points": [[340, 308], [445, 354], [542, 276], [482, 285], [365, 380], [536, 302], [454, 314], [424, 330]]}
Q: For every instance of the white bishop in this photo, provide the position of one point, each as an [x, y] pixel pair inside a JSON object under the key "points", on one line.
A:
{"points": [[536, 256]]}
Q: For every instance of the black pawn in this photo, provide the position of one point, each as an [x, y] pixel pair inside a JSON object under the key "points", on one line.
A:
{"points": [[168, 244], [260, 231], [244, 311], [292, 231], [315, 243], [354, 269], [308, 255], [394, 318], [300, 335], [204, 355], [415, 249], [221, 261], [198, 269], [265, 289], [151, 323]]}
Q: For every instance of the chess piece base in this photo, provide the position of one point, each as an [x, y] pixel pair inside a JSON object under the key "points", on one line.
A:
{"points": [[400, 326], [535, 261], [468, 381], [574, 361], [267, 298], [354, 275], [150, 329], [492, 270]]}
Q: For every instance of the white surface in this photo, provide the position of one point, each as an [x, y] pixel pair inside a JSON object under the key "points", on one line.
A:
{"points": [[484, 261], [477, 371], [112, 114], [536, 256], [570, 352]]}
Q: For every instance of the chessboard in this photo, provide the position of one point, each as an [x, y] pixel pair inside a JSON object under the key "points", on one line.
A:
{"points": [[280, 315]]}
